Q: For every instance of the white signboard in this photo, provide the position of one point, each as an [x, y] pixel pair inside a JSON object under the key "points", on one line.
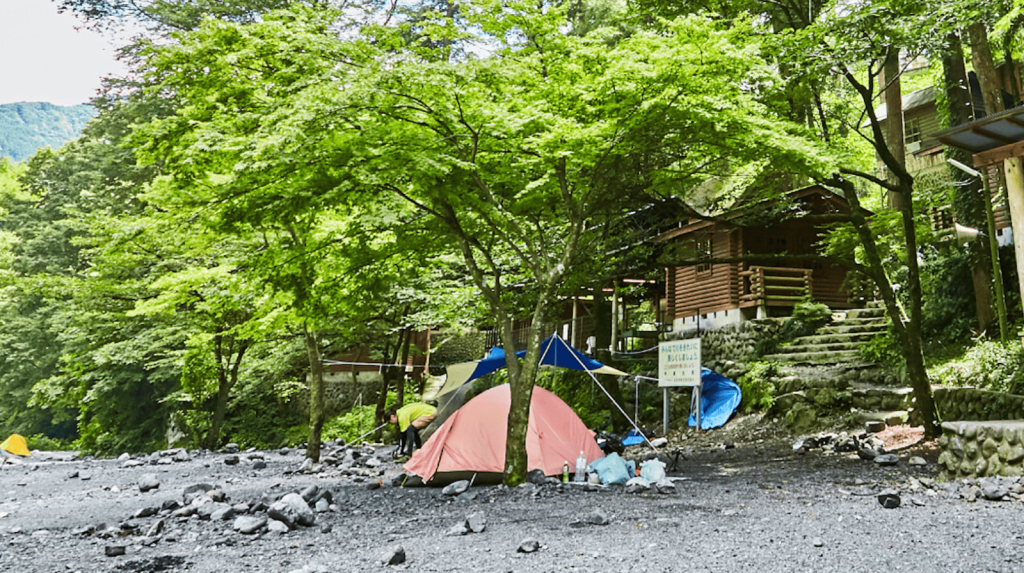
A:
{"points": [[679, 363]]}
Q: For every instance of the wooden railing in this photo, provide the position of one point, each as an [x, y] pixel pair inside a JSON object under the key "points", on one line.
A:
{"points": [[775, 285]]}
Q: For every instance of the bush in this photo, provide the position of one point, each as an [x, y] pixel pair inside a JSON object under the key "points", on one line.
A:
{"points": [[949, 310], [988, 365], [259, 415], [758, 387], [886, 351], [357, 421], [807, 318], [46, 443]]}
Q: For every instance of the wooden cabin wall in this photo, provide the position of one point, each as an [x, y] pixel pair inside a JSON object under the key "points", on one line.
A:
{"points": [[691, 290]]}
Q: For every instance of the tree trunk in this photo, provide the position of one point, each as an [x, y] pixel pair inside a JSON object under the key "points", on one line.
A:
{"points": [[909, 333], [894, 116], [984, 66], [404, 339], [316, 394], [521, 377], [227, 376], [968, 198]]}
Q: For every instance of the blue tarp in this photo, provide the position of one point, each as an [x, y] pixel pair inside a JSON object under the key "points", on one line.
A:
{"points": [[554, 351], [719, 399]]}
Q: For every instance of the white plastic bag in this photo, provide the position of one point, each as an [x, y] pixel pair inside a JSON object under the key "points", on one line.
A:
{"points": [[652, 470]]}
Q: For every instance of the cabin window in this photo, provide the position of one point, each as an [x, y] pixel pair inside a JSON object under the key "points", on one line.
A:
{"points": [[912, 131], [703, 249]]}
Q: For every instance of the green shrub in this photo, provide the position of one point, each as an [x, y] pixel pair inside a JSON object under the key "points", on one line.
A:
{"points": [[259, 416], [949, 309], [357, 421], [807, 318], [581, 394], [758, 387], [886, 351], [46, 443], [988, 365]]}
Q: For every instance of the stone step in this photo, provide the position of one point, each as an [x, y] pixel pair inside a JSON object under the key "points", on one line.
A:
{"points": [[836, 337], [890, 417], [851, 357], [881, 398], [818, 347], [857, 326], [860, 313]]}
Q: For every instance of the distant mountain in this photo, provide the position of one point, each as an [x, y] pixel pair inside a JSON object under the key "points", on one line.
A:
{"points": [[25, 127]]}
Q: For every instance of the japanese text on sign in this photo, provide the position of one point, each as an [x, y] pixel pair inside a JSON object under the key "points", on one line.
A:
{"points": [[679, 363]]}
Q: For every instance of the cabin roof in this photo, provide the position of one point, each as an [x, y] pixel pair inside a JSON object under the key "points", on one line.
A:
{"points": [[739, 209]]}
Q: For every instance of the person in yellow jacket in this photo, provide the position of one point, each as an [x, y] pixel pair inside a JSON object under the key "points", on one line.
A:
{"points": [[410, 419]]}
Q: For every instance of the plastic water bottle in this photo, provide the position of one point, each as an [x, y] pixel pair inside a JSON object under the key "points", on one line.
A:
{"points": [[565, 472], [581, 468]]}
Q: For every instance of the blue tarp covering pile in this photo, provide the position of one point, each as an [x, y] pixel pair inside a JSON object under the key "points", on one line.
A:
{"points": [[719, 399]]}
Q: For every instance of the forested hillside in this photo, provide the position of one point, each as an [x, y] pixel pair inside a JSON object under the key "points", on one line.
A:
{"points": [[25, 127]]}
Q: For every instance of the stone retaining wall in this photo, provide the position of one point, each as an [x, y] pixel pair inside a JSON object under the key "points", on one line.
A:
{"points": [[726, 350], [979, 449], [974, 404]]}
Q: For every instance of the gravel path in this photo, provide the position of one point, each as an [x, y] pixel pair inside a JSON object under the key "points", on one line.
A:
{"points": [[756, 507]]}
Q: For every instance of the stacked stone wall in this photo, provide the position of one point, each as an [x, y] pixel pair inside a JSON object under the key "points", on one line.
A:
{"points": [[962, 404], [728, 349], [979, 449]]}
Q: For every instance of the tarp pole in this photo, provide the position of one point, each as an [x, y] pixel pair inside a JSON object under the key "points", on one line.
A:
{"points": [[612, 400], [664, 419], [697, 388]]}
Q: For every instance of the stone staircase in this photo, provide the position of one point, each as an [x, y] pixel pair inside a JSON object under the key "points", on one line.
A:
{"points": [[837, 343], [825, 371]]}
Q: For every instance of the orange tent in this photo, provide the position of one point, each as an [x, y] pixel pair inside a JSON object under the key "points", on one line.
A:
{"points": [[472, 440], [16, 445]]}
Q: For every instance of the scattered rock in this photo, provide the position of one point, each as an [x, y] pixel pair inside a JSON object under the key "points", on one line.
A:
{"points": [[887, 459], [455, 488], [145, 512], [458, 529], [994, 492], [917, 461], [249, 524], [113, 550], [874, 426], [817, 541], [276, 526], [889, 499], [476, 523], [148, 482], [396, 556], [597, 517], [537, 477], [528, 546], [292, 510]]}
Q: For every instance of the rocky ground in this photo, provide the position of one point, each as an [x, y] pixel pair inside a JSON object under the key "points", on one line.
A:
{"points": [[745, 498]]}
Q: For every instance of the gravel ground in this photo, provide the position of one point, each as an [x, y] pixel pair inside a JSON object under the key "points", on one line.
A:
{"points": [[757, 506]]}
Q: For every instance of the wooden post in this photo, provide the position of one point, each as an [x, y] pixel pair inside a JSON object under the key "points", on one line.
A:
{"points": [[614, 346], [574, 327], [1014, 172], [997, 270]]}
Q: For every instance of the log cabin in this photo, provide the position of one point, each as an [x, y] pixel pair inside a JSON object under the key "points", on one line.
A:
{"points": [[746, 264]]}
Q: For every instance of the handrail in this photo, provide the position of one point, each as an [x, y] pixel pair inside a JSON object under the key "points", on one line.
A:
{"points": [[775, 284]]}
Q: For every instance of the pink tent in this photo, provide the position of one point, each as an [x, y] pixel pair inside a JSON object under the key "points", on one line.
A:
{"points": [[472, 440]]}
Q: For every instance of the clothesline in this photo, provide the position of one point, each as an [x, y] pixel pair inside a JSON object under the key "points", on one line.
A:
{"points": [[635, 351]]}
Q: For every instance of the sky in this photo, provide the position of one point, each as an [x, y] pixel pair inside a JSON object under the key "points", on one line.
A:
{"points": [[43, 58]]}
